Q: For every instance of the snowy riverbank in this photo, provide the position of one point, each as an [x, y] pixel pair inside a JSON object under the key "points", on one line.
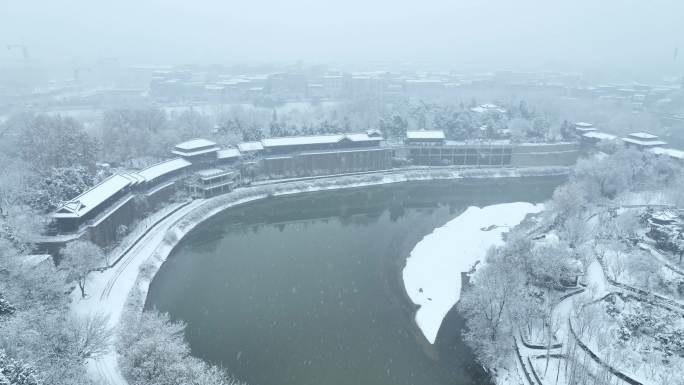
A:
{"points": [[432, 276], [126, 285]]}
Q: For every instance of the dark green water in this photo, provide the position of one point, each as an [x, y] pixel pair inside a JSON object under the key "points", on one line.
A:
{"points": [[307, 289]]}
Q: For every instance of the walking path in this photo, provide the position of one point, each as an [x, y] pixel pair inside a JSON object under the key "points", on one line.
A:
{"points": [[108, 290], [599, 286]]}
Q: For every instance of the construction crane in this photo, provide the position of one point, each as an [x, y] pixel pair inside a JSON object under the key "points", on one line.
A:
{"points": [[24, 49]]}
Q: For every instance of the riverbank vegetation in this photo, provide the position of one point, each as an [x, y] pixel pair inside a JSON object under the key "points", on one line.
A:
{"points": [[41, 341], [154, 352], [594, 230]]}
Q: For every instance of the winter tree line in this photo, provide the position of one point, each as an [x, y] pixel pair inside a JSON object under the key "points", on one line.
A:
{"points": [[47, 159], [520, 283], [43, 342]]}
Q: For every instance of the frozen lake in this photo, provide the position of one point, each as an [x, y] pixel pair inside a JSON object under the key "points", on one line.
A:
{"points": [[308, 289]]}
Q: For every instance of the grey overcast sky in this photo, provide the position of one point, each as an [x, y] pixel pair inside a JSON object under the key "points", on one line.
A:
{"points": [[577, 35]]}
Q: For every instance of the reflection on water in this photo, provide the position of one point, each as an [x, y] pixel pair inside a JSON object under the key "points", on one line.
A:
{"points": [[307, 289]]}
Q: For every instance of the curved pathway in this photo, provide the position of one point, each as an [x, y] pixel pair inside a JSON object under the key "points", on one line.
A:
{"points": [[108, 290], [603, 285]]}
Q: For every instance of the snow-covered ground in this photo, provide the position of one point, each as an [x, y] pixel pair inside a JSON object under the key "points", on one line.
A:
{"points": [[432, 276], [107, 292]]}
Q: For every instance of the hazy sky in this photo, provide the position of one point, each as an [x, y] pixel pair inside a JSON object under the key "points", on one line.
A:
{"points": [[581, 35]]}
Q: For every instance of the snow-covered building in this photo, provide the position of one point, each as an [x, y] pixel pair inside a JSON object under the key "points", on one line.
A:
{"points": [[85, 207], [213, 181], [424, 137], [197, 150], [100, 211], [667, 229], [228, 156], [429, 150], [643, 140], [250, 148], [326, 162], [677, 155], [582, 128], [164, 171], [591, 138], [293, 144], [599, 136]]}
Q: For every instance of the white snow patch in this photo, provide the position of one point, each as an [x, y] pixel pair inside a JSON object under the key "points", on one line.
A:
{"points": [[432, 276]]}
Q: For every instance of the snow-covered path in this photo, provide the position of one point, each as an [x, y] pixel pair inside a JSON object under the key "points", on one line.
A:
{"points": [[108, 291], [432, 276]]}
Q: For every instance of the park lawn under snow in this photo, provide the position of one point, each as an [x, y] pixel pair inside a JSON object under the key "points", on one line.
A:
{"points": [[432, 276]]}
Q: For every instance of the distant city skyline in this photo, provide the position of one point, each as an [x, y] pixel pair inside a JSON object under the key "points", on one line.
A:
{"points": [[612, 37]]}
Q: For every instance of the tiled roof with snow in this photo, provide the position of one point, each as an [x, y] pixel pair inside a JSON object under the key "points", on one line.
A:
{"points": [[671, 152], [160, 169], [642, 135], [134, 177], [250, 146], [301, 140], [90, 199], [228, 153], [363, 137], [584, 125], [319, 139], [195, 144], [645, 143], [438, 134], [599, 135], [213, 173]]}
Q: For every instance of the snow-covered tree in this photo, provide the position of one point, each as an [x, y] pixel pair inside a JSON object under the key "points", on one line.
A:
{"points": [[154, 352], [58, 185], [16, 372], [6, 308], [80, 258], [47, 142], [134, 133], [487, 307]]}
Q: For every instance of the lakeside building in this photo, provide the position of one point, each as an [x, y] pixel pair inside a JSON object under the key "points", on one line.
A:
{"points": [[643, 140], [118, 200], [324, 155], [163, 171], [228, 156], [211, 182], [640, 140], [330, 162], [250, 148], [430, 148], [204, 170], [424, 138], [91, 203], [289, 144], [197, 151]]}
